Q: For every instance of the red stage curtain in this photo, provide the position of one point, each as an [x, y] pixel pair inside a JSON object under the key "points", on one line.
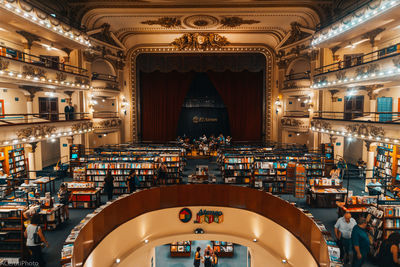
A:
{"points": [[242, 93], [162, 96]]}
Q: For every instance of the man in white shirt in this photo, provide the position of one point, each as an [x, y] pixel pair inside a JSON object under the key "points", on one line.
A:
{"points": [[343, 228]]}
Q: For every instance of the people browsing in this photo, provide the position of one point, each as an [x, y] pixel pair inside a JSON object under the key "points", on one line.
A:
{"points": [[388, 254], [3, 177], [197, 257], [64, 197], [343, 228], [374, 188], [162, 174], [69, 111], [34, 240], [360, 242], [109, 185], [335, 173]]}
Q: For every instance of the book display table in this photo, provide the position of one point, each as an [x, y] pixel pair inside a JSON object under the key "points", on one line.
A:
{"points": [[46, 184], [83, 195], [324, 193], [52, 217]]}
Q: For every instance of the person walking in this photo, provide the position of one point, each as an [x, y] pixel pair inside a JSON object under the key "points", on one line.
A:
{"points": [[343, 228], [34, 239], [388, 254], [64, 197], [197, 257], [361, 243], [109, 185]]}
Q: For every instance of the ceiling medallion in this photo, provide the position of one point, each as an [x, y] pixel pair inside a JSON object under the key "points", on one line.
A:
{"points": [[201, 21], [236, 21], [199, 41], [166, 22]]}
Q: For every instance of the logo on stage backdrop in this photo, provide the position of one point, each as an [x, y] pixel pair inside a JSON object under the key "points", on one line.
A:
{"points": [[203, 119], [185, 215], [209, 216]]}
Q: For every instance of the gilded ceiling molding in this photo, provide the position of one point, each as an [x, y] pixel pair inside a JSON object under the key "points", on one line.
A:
{"points": [[233, 22], [200, 41], [266, 51], [201, 21], [166, 22]]}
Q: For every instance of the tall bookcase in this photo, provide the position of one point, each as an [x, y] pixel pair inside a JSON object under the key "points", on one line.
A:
{"points": [[17, 162], [12, 232], [385, 167], [237, 168]]}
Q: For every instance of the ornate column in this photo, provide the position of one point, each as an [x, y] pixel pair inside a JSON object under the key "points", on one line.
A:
{"points": [[370, 162], [30, 150], [29, 39], [30, 95]]}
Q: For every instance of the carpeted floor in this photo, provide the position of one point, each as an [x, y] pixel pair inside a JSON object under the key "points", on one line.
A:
{"points": [[57, 237]]}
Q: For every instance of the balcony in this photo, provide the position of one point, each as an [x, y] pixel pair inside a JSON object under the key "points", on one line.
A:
{"points": [[106, 122], [357, 21], [20, 68], [297, 80], [27, 128], [378, 67], [369, 126], [101, 81], [296, 121]]}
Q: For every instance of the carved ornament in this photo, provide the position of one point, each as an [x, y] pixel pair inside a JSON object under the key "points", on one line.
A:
{"points": [[321, 124], [4, 64], [341, 75], [110, 123], [81, 80], [366, 130], [291, 122], [233, 22], [61, 76], [200, 41], [34, 72], [396, 61], [36, 131], [166, 22], [82, 126]]}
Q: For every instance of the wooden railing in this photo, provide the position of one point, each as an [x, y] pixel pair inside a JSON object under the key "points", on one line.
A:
{"points": [[265, 204]]}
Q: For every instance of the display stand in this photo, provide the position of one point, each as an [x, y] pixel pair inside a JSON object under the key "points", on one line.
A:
{"points": [[223, 249], [83, 195], [356, 205], [52, 217], [324, 193]]}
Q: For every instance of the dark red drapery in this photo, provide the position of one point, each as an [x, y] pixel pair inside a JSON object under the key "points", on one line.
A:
{"points": [[162, 96]]}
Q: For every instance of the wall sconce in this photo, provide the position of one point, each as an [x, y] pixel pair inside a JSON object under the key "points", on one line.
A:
{"points": [[278, 104], [124, 105]]}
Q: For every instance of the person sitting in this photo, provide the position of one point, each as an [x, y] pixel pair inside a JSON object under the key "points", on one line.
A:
{"points": [[374, 188], [3, 177], [228, 140]]}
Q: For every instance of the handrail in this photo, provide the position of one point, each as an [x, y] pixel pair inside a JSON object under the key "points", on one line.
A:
{"points": [[297, 76], [349, 10], [144, 201], [42, 61], [297, 113], [376, 55], [27, 118], [378, 117], [104, 77]]}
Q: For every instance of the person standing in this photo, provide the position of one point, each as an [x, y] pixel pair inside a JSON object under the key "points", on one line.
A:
{"points": [[109, 185], [361, 243], [197, 257], [207, 259], [388, 254], [343, 228], [34, 245], [132, 181], [3, 177], [69, 112], [63, 196]]}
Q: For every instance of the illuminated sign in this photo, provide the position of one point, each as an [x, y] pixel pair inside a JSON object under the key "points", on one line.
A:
{"points": [[185, 215]]}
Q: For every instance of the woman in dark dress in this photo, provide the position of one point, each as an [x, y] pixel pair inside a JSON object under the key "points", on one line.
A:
{"points": [[132, 181], [109, 185], [389, 251], [197, 257]]}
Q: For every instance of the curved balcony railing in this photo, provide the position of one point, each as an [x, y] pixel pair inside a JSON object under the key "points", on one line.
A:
{"points": [[34, 118], [297, 76], [378, 117], [105, 114], [297, 113], [40, 61], [264, 204], [377, 55]]}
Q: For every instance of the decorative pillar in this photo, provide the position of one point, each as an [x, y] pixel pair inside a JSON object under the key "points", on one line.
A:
{"points": [[31, 149], [29, 39], [30, 95], [370, 163]]}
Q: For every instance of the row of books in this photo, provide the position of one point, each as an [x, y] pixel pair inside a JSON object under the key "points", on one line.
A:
{"points": [[119, 165]]}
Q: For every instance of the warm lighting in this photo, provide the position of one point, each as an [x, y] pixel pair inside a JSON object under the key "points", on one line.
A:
{"points": [[117, 261], [146, 241], [255, 240]]}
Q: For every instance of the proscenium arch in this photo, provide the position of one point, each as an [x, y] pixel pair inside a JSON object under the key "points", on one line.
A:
{"points": [[157, 199], [268, 92]]}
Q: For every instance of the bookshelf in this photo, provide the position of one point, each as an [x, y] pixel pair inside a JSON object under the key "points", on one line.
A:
{"points": [[223, 249], [17, 162], [383, 167], [328, 151], [237, 169], [76, 151], [181, 249], [12, 232], [324, 192]]}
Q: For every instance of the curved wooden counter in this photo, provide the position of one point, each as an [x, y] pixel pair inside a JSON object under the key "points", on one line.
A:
{"points": [[264, 204]]}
